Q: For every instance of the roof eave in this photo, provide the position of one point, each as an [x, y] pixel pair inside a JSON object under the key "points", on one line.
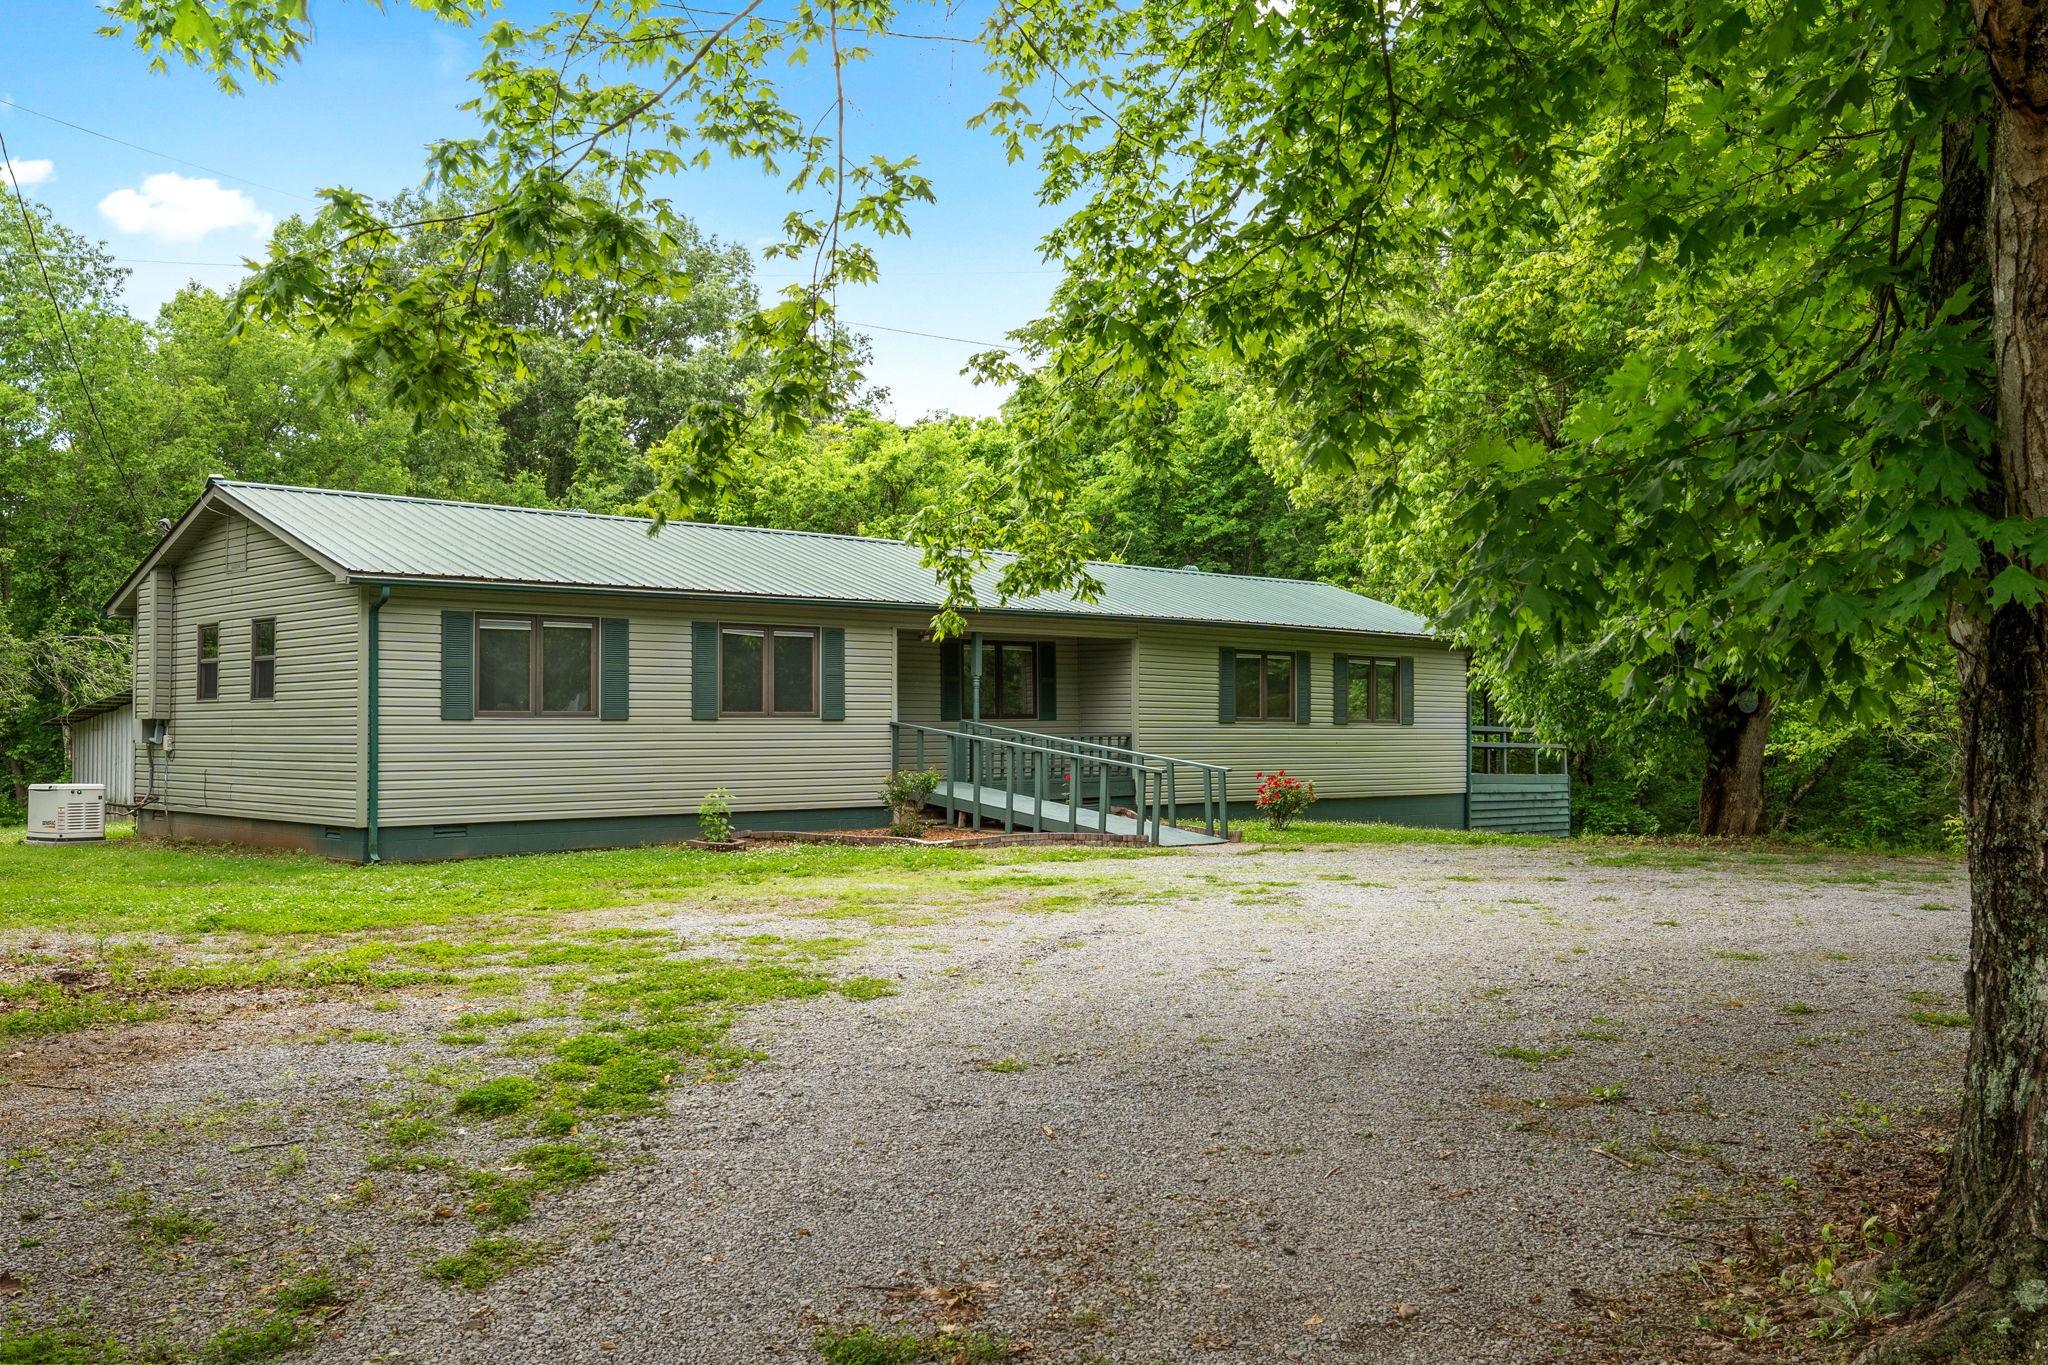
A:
{"points": [[364, 579]]}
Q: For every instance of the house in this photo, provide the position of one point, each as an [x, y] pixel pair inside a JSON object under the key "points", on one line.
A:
{"points": [[376, 677]]}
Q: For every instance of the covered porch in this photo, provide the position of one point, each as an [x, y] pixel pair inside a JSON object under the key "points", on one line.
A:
{"points": [[1035, 731]]}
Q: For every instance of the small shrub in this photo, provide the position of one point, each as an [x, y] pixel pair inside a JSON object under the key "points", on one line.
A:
{"points": [[1281, 798], [905, 794], [714, 816]]}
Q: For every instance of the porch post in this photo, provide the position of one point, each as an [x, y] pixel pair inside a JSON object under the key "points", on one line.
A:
{"points": [[974, 670]]}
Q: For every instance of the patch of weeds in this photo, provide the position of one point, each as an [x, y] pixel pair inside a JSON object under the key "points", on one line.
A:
{"points": [[1533, 1058], [283, 1327], [865, 988], [1609, 1094], [496, 1099], [501, 1200], [486, 1261], [1863, 1118], [1924, 997], [66, 1345], [1666, 923], [1932, 905], [1005, 1065], [461, 1038], [1795, 1007], [165, 1230], [39, 1010], [1736, 955], [411, 1131], [292, 1163], [1939, 1019]]}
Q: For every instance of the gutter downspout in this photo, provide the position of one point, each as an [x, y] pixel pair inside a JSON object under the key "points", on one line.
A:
{"points": [[370, 850]]}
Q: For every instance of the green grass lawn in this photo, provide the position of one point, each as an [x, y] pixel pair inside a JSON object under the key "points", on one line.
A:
{"points": [[129, 885]]}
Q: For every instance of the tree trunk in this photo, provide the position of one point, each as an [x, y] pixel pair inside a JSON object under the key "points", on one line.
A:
{"points": [[1735, 723], [1983, 1249]]}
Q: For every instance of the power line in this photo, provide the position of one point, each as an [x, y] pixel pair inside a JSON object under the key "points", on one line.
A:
{"points": [[35, 247], [934, 336], [136, 146]]}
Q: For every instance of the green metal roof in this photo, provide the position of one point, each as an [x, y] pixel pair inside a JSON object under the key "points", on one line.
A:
{"points": [[377, 537]]}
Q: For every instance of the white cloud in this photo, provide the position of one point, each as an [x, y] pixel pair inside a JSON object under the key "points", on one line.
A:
{"points": [[180, 208], [26, 173]]}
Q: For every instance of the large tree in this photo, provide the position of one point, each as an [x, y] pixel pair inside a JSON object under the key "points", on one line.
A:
{"points": [[1851, 447]]}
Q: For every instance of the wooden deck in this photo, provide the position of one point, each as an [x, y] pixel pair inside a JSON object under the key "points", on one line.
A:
{"points": [[991, 803]]}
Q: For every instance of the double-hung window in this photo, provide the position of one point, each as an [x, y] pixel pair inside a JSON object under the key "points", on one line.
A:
{"points": [[209, 662], [767, 671], [263, 658], [536, 666], [1376, 690], [1009, 680], [1265, 686]]}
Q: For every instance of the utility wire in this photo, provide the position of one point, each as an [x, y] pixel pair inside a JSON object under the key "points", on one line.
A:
{"points": [[136, 146], [35, 247], [934, 336]]}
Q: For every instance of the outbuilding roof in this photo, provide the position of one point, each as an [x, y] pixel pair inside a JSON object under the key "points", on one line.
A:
{"points": [[379, 538]]}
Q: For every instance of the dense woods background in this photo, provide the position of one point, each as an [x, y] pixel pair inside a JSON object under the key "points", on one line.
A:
{"points": [[109, 422]]}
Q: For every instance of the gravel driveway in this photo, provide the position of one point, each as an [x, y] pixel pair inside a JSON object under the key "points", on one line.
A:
{"points": [[1235, 1105]]}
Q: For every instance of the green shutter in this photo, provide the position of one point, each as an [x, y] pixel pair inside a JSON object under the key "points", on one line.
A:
{"points": [[1226, 686], [615, 668], [1048, 681], [704, 670], [1301, 688], [458, 665], [950, 660], [1340, 689], [1405, 670], [832, 674]]}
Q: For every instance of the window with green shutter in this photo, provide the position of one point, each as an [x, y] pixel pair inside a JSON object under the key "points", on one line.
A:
{"points": [[1375, 691], [458, 665], [1262, 686], [832, 674]]}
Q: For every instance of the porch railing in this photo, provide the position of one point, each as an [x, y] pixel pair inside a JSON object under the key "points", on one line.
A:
{"points": [[1078, 773], [1505, 750]]}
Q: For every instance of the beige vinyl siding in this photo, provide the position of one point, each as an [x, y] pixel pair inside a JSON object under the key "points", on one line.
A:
{"points": [[657, 762], [1177, 682], [1105, 686], [155, 644], [298, 757]]}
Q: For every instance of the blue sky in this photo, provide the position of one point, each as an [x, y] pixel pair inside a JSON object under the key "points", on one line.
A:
{"points": [[377, 86]]}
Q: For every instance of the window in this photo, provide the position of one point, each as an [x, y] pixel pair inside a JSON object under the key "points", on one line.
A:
{"points": [[767, 671], [263, 658], [1265, 686], [1376, 690], [209, 662], [1009, 680], [535, 666]]}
